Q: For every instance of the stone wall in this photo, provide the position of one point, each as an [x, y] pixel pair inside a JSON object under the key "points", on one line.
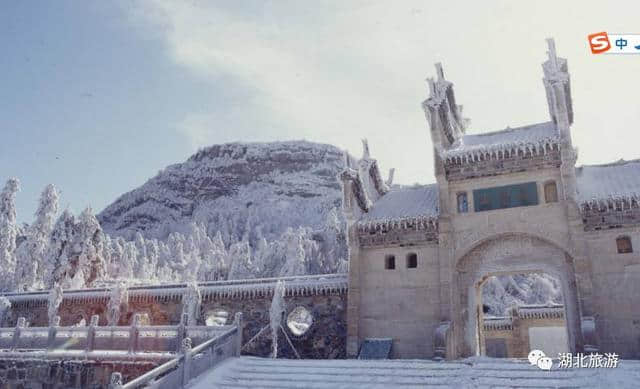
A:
{"points": [[325, 338], [513, 331], [615, 290], [72, 374], [400, 303]]}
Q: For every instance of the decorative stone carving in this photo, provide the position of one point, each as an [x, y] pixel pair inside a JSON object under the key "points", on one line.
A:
{"points": [[116, 381], [186, 344]]}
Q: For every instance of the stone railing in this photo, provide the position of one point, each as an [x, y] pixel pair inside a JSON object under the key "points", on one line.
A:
{"points": [[156, 342], [190, 363], [295, 286]]}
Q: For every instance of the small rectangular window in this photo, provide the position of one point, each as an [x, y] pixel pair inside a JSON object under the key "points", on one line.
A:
{"points": [[390, 262], [412, 261], [463, 204], [550, 192]]}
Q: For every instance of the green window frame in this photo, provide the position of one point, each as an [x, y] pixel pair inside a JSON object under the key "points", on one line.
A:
{"points": [[508, 196]]}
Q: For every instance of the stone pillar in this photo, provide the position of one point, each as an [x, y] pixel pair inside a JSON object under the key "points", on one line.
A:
{"points": [[353, 295], [91, 332], [186, 363]]}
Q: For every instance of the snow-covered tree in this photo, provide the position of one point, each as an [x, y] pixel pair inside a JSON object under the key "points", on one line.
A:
{"points": [[275, 315], [89, 239], [54, 301], [129, 258], [118, 301], [141, 264], [31, 253], [153, 254], [5, 306], [343, 266], [219, 258], [295, 257], [116, 252], [191, 301], [240, 257], [8, 232], [261, 256], [60, 249]]}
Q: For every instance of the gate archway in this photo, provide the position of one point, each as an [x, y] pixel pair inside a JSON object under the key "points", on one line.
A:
{"points": [[509, 254]]}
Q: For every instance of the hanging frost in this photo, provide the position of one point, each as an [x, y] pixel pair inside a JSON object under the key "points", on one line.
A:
{"points": [[54, 301], [5, 306], [118, 301], [275, 315], [191, 301]]}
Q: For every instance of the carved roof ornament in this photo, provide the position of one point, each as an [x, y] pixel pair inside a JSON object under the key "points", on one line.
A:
{"points": [[443, 114], [365, 149], [558, 87], [390, 178]]}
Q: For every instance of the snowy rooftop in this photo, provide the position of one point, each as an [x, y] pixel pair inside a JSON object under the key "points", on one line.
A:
{"points": [[618, 179], [531, 134], [405, 202]]}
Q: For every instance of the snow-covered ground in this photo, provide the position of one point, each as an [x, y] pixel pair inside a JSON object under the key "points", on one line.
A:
{"points": [[479, 372]]}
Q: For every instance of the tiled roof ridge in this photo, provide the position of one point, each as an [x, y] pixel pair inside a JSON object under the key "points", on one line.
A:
{"points": [[509, 129]]}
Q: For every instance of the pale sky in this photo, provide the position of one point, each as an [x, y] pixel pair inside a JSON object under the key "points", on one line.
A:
{"points": [[98, 96]]}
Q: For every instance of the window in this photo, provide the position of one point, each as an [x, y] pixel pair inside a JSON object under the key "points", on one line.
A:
{"points": [[412, 260], [624, 245], [463, 204], [550, 192], [508, 196], [390, 262]]}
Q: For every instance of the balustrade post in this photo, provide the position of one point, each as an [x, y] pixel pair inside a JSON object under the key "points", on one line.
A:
{"points": [[182, 331], [237, 321], [186, 362], [16, 333], [53, 331], [91, 332], [134, 333]]}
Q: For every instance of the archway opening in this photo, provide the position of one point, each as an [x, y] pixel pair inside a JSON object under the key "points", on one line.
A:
{"points": [[519, 312]]}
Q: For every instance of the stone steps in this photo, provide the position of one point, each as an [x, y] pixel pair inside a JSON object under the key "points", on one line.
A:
{"points": [[253, 373]]}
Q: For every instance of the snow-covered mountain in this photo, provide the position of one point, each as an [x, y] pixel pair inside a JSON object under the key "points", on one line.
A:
{"points": [[235, 188]]}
